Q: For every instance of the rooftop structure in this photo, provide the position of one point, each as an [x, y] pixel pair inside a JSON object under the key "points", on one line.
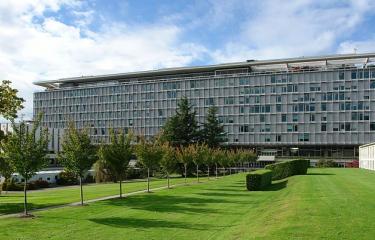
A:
{"points": [[300, 64]]}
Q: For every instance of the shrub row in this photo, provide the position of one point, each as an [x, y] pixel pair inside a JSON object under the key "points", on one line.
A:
{"points": [[12, 186], [325, 163], [288, 168], [258, 180]]}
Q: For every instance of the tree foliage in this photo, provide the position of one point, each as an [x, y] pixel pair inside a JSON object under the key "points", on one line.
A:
{"points": [[78, 154], [182, 128], [169, 160], [149, 154], [10, 103], [184, 156], [26, 151], [117, 154], [213, 131]]}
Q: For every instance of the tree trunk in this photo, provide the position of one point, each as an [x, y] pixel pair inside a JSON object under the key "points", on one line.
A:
{"points": [[25, 197], [197, 173], [120, 186], [168, 179], [208, 172], [148, 180], [80, 185], [185, 166], [216, 170]]}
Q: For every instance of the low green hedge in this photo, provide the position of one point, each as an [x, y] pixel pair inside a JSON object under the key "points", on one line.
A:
{"points": [[285, 169], [258, 180]]}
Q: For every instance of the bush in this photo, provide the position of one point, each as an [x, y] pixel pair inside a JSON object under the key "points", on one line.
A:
{"points": [[89, 179], [41, 184], [288, 168], [136, 173], [258, 180], [352, 164], [325, 163], [66, 178], [12, 186]]}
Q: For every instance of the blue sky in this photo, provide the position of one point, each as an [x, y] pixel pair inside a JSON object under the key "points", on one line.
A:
{"points": [[48, 39]]}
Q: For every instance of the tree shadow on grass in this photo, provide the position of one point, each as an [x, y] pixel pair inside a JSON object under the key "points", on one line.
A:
{"points": [[223, 194], [123, 222], [277, 186], [171, 203], [9, 208], [320, 174]]}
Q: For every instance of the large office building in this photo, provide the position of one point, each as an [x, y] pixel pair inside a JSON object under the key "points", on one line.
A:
{"points": [[318, 107]]}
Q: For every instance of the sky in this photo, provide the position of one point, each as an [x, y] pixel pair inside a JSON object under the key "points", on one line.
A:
{"points": [[51, 39]]}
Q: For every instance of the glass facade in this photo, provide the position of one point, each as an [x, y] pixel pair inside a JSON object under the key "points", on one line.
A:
{"points": [[257, 108]]}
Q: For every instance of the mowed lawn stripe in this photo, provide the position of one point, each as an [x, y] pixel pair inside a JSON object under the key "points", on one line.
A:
{"points": [[326, 204], [13, 202]]}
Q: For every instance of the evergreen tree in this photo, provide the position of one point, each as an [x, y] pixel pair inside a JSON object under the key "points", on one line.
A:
{"points": [[182, 128], [117, 154], [26, 151], [213, 132], [78, 154]]}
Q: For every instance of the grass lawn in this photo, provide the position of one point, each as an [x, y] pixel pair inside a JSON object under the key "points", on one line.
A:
{"points": [[12, 202], [325, 204]]}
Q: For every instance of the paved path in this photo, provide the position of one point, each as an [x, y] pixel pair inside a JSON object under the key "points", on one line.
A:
{"points": [[96, 200]]}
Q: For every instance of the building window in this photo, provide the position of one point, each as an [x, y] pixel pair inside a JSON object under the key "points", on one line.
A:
{"points": [[354, 74], [242, 109], [229, 100], [283, 117], [372, 126], [278, 138], [305, 137], [323, 107], [244, 129], [295, 118], [341, 75], [295, 128], [278, 99], [262, 118], [312, 118], [278, 108], [209, 101], [323, 127], [290, 128], [372, 84]]}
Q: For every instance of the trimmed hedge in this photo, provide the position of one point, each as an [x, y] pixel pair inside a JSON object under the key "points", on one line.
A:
{"points": [[258, 180], [288, 168]]}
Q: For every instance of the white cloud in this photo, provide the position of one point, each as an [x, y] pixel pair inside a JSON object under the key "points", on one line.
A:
{"points": [[278, 29], [357, 46], [48, 49]]}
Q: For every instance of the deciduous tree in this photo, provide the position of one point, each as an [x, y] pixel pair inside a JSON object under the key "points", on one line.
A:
{"points": [[78, 154], [169, 160], [26, 150], [117, 154], [10, 103], [149, 154]]}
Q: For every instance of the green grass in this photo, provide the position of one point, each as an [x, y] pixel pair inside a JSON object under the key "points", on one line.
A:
{"points": [[13, 202], [325, 204]]}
